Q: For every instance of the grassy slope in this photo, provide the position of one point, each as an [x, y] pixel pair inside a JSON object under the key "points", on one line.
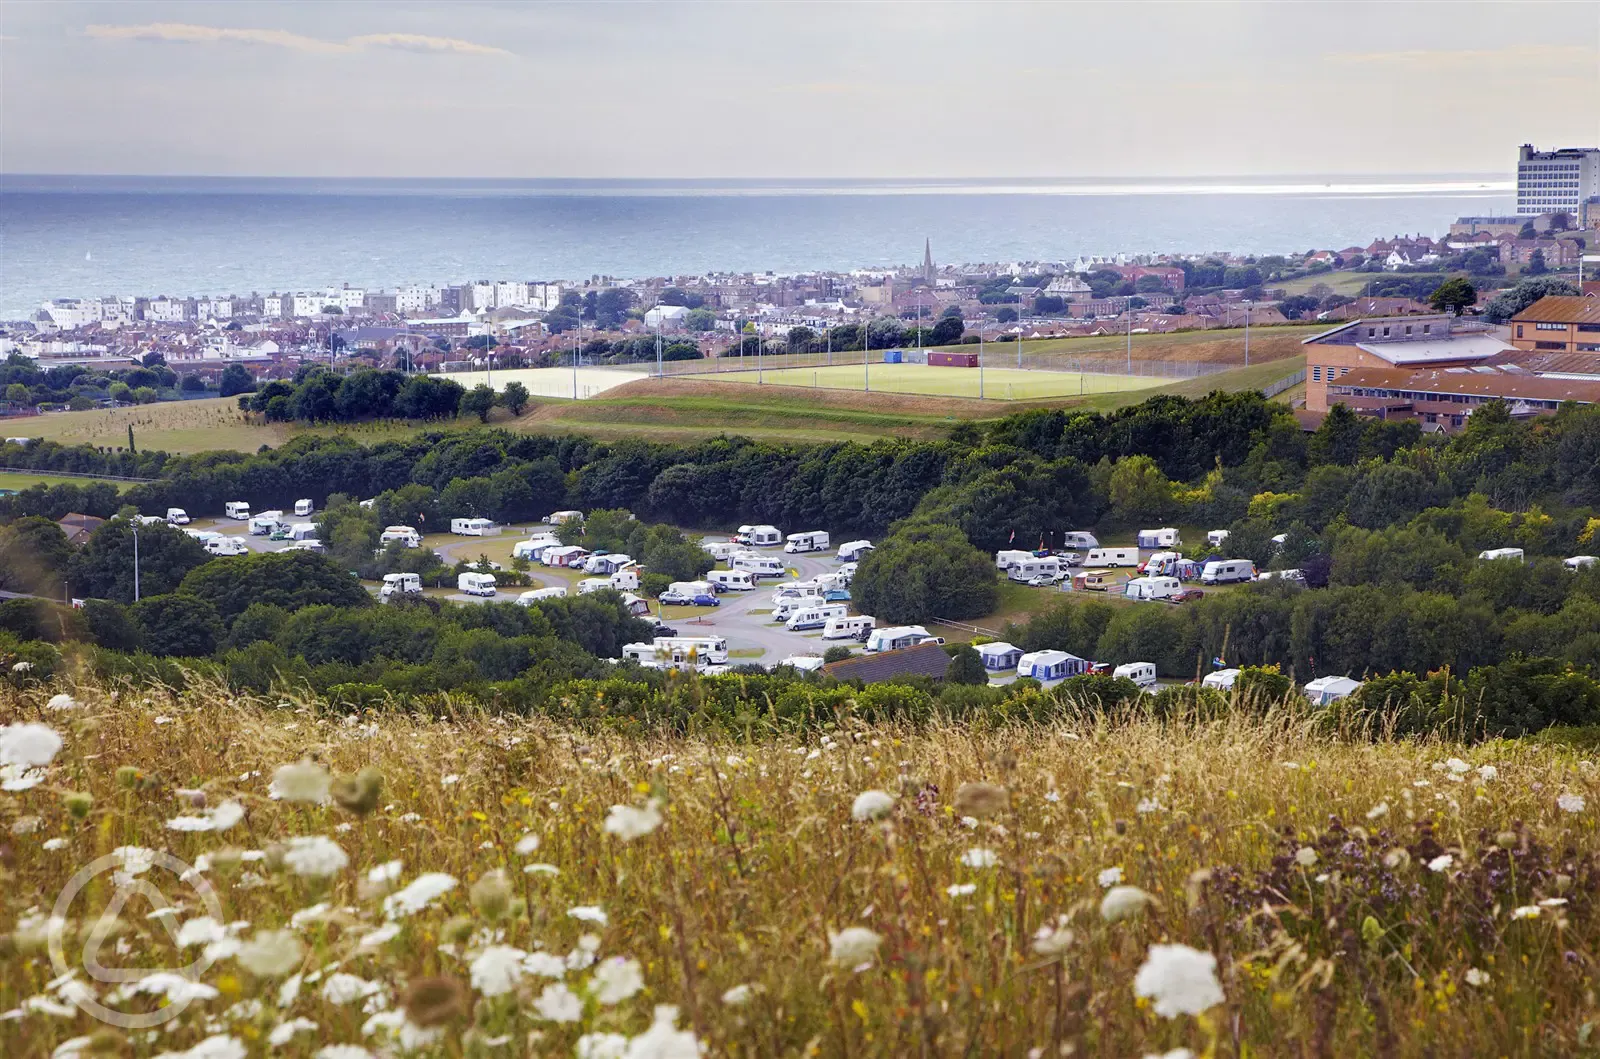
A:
{"points": [[1347, 283], [13, 480]]}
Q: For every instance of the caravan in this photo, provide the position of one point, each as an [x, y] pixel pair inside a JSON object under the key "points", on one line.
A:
{"points": [[1223, 571], [473, 527], [406, 535], [1006, 558], [1047, 666], [396, 585], [810, 541], [566, 555], [1214, 538], [302, 508], [1221, 680], [1141, 673], [849, 627], [1327, 690], [854, 551], [764, 537], [732, 580], [1161, 563], [236, 509], [787, 607], [1166, 537], [303, 531], [759, 566], [556, 518], [898, 636], [1152, 588], [1112, 557], [1032, 567], [721, 551], [534, 547], [476, 584], [1578, 562], [999, 656], [1502, 553], [534, 595], [815, 616], [265, 522], [1079, 540]]}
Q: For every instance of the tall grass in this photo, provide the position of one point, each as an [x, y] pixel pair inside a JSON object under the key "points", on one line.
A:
{"points": [[1299, 860]]}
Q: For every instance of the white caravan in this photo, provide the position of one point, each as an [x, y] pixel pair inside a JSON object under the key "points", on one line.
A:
{"points": [[395, 585], [303, 531], [473, 527], [556, 518], [1502, 553], [177, 516], [1152, 588], [1214, 538], [227, 546], [304, 507], [765, 537], [1223, 571], [759, 566], [721, 551], [1578, 562], [265, 522], [732, 580], [849, 627], [810, 541], [406, 535], [789, 606], [1112, 557], [1221, 680], [815, 617], [1141, 673], [854, 551], [311, 544], [1326, 690], [898, 636], [1165, 537], [534, 595], [535, 546], [1006, 558], [1036, 566], [236, 509], [1080, 540], [476, 584]]}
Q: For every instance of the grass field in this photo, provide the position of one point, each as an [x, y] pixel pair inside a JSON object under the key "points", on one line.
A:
{"points": [[15, 480], [1349, 284], [1002, 384], [497, 878]]}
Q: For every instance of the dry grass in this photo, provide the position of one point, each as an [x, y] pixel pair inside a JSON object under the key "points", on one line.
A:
{"points": [[758, 860]]}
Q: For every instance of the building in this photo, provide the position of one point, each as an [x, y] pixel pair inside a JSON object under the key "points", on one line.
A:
{"points": [[79, 527], [669, 317], [1389, 343], [1443, 398], [69, 314], [1559, 324], [1557, 181], [930, 275]]}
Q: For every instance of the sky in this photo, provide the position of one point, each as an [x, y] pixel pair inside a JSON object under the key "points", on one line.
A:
{"points": [[474, 88]]}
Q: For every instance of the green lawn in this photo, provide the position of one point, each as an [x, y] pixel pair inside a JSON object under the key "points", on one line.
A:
{"points": [[1346, 283], [992, 383], [14, 480]]}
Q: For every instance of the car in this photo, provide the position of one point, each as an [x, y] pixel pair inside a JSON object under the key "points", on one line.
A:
{"points": [[1070, 558], [1042, 581], [706, 601], [661, 628], [1186, 595], [675, 599], [282, 533], [836, 595]]}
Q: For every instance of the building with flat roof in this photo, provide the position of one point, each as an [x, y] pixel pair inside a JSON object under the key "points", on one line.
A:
{"points": [[1559, 323], [1557, 181], [1392, 342], [1442, 398]]}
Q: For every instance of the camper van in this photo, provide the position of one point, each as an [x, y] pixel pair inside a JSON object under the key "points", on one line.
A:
{"points": [[1502, 553], [1578, 562], [700, 654], [815, 617], [1006, 558], [473, 527], [1050, 665], [810, 541], [396, 585], [227, 546], [721, 551], [732, 580], [236, 509], [789, 606], [303, 531], [311, 544], [177, 516], [1096, 582], [854, 551], [476, 584], [304, 507], [1033, 566], [898, 636], [1079, 540], [406, 535], [759, 566], [534, 595], [1223, 571], [556, 518], [1214, 538], [848, 627], [1221, 680], [1160, 563], [1166, 537], [764, 537], [1152, 588], [1141, 673], [265, 522], [1112, 557]]}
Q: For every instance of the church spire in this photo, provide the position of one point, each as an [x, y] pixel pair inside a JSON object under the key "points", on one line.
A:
{"points": [[928, 274]]}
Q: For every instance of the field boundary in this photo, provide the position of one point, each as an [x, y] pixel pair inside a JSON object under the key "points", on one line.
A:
{"points": [[44, 472], [1274, 389]]}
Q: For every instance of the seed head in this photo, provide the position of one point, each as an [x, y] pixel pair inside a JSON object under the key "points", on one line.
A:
{"points": [[981, 799], [360, 793], [434, 1001]]}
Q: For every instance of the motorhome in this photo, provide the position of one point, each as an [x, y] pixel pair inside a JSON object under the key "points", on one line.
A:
{"points": [[710, 649], [309, 545], [303, 531], [304, 507], [177, 516], [227, 546], [1502, 553], [620, 581], [759, 566], [794, 589], [1009, 557], [765, 537], [566, 555], [1223, 571], [1296, 576], [1214, 538], [1578, 562], [534, 547], [556, 518], [854, 551], [789, 606], [732, 580], [1221, 680], [1152, 588], [721, 551], [1327, 690], [848, 572], [593, 584], [815, 617], [1079, 540], [662, 655], [809, 541], [1112, 557], [236, 509], [1141, 673], [473, 527], [1051, 665], [476, 584], [406, 535], [1166, 537], [849, 627], [1036, 566], [1160, 563], [897, 636], [804, 663], [999, 657], [534, 595], [264, 522], [396, 585]]}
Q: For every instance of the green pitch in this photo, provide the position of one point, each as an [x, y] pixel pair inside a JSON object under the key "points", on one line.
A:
{"points": [[1000, 384]]}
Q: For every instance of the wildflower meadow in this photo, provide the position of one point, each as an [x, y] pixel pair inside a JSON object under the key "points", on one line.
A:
{"points": [[200, 875]]}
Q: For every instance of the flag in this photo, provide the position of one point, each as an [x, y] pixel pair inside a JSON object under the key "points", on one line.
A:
{"points": [[1013, 539], [1219, 663]]}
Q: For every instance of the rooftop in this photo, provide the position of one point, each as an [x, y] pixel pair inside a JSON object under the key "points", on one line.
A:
{"points": [[1561, 309], [1481, 380], [1430, 351]]}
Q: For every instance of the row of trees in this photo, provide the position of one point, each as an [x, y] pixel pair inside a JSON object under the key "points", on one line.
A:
{"points": [[317, 395]]}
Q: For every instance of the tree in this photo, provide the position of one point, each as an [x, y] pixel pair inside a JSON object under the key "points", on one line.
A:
{"points": [[104, 566], [192, 383], [110, 625], [1453, 295], [1005, 314], [949, 329], [289, 580], [1049, 304], [177, 624], [836, 653], [700, 320], [17, 393], [1536, 265], [1508, 303], [34, 554], [966, 667], [926, 570], [515, 397], [120, 392], [145, 395], [332, 310], [236, 380], [1139, 490]]}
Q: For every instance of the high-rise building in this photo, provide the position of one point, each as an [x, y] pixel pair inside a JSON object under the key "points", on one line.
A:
{"points": [[1557, 181]]}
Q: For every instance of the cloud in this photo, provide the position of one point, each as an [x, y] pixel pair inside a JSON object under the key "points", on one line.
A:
{"points": [[277, 38]]}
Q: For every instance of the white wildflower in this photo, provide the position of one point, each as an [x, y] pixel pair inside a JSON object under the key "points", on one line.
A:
{"points": [[1378, 811], [314, 856], [1305, 856], [853, 946], [663, 1040], [28, 745], [978, 857], [1109, 877], [589, 914], [1486, 773], [380, 937], [628, 822], [218, 1046], [419, 894], [134, 860], [527, 844], [61, 702], [1553, 902], [558, 1004], [342, 1051], [1526, 912], [1457, 766], [545, 965], [1178, 980], [1571, 803], [53, 844], [1120, 902], [1477, 977], [497, 970], [1051, 941], [304, 781], [221, 818], [344, 988], [872, 805], [961, 889], [1148, 805], [284, 1032], [615, 980], [1442, 863], [739, 994], [202, 930], [450, 780], [602, 1046]]}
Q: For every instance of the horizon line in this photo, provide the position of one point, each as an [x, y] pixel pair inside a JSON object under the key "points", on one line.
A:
{"points": [[872, 179]]}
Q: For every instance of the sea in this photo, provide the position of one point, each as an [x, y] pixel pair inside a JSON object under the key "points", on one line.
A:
{"points": [[75, 236]]}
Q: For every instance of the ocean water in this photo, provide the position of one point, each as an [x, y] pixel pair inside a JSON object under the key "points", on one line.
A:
{"points": [[77, 236]]}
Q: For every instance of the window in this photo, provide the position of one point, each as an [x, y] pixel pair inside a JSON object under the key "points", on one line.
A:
{"points": [[1427, 328], [1519, 330], [1371, 331], [1550, 327], [1408, 329], [1316, 373], [1385, 332], [1344, 371]]}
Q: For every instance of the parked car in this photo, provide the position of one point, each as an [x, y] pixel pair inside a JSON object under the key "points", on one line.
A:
{"points": [[837, 595], [681, 599], [661, 628], [703, 600], [1070, 558], [1042, 581], [1186, 595]]}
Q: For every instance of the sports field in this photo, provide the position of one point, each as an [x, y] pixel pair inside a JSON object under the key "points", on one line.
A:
{"points": [[998, 384]]}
